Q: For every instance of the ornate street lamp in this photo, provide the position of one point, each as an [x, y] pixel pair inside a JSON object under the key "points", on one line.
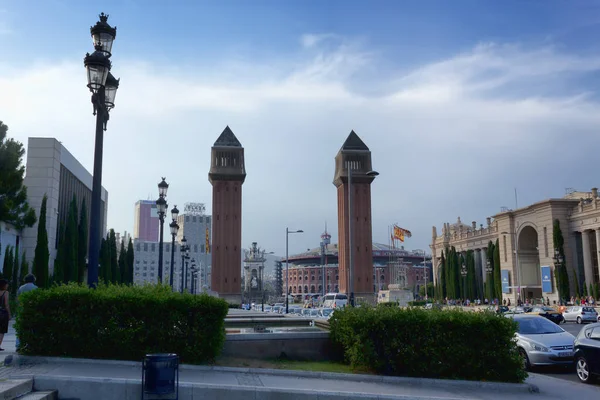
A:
{"points": [[104, 89], [174, 229], [161, 208], [287, 271], [193, 270], [183, 249]]}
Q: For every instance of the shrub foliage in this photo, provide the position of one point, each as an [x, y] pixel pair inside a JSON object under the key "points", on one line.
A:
{"points": [[429, 343], [120, 322]]}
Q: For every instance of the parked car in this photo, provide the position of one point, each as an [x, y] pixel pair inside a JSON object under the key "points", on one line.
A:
{"points": [[547, 312], [325, 312], [542, 342], [498, 309], [587, 353], [580, 314], [520, 309]]}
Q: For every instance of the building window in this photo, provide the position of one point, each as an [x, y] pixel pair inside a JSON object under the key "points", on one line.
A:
{"points": [[202, 248], [195, 248], [194, 218], [145, 246], [168, 248], [312, 277], [505, 255], [152, 247], [137, 247]]}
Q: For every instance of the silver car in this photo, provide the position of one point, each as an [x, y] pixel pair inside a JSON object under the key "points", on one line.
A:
{"points": [[542, 342], [580, 314]]}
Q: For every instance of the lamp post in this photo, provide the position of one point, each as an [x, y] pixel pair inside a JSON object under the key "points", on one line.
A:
{"points": [[161, 208], [192, 275], [350, 287], [558, 260], [103, 86], [174, 229], [488, 269], [463, 272], [182, 250], [287, 271], [517, 267]]}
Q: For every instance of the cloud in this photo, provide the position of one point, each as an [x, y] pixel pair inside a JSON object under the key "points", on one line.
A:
{"points": [[5, 28], [449, 138], [311, 40]]}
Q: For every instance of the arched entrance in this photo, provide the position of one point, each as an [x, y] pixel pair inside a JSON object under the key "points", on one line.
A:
{"points": [[529, 264]]}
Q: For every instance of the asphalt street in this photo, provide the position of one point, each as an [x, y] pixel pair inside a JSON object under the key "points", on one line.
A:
{"points": [[561, 372]]}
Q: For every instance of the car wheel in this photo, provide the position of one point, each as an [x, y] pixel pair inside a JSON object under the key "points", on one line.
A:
{"points": [[526, 363], [579, 320], [583, 370]]}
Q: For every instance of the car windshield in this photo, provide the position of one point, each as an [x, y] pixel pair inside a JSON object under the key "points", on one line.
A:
{"points": [[537, 326], [589, 309]]}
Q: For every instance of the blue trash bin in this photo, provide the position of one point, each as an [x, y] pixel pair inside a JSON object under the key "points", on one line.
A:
{"points": [[160, 374]]}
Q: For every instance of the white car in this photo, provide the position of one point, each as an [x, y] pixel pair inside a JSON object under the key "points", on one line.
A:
{"points": [[580, 314]]}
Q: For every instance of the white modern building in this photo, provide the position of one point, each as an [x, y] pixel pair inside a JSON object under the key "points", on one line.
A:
{"points": [[196, 227], [53, 171]]}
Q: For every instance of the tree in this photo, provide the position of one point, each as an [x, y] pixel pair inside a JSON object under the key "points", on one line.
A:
{"points": [[114, 264], [59, 263], [7, 266], [42, 254], [585, 293], [14, 208], [130, 261], [24, 269], [71, 266], [82, 241], [560, 270], [489, 287], [497, 272], [15, 274], [105, 260], [123, 272], [442, 275], [576, 281]]}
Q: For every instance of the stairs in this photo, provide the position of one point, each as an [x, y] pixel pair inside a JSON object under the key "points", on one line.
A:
{"points": [[22, 389]]}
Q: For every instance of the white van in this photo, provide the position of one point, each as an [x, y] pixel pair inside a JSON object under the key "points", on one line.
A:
{"points": [[335, 300]]}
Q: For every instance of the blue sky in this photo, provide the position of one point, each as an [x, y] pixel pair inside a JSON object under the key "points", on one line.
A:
{"points": [[459, 101]]}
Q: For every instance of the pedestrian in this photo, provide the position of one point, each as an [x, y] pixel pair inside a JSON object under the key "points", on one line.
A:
{"points": [[27, 287], [547, 301], [4, 310]]}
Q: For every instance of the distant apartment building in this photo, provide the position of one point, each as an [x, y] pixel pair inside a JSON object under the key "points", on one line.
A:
{"points": [[52, 170], [145, 225]]}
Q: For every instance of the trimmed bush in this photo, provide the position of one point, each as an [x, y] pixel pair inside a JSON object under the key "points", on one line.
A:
{"points": [[429, 343], [120, 322], [418, 303], [233, 305]]}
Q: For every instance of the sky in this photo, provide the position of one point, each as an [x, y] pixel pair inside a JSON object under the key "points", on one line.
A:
{"points": [[460, 102]]}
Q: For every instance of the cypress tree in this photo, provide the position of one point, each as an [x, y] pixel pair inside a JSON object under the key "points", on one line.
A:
{"points": [[71, 267], [489, 287], [130, 257], [442, 274], [8, 263], [596, 291], [497, 272], [123, 272], [59, 263], [102, 261], [114, 264], [106, 259], [456, 273], [471, 276], [24, 269], [15, 273], [82, 248], [42, 254], [450, 274], [585, 293], [560, 270]]}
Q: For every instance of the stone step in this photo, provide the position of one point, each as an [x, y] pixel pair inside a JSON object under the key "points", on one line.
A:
{"points": [[43, 395], [12, 389]]}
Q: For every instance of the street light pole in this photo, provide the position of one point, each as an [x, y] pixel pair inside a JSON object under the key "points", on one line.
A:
{"points": [[174, 229], [182, 249], [161, 206], [463, 272], [103, 86], [287, 271]]}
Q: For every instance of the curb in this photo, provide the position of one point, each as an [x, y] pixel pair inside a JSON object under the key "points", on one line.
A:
{"points": [[492, 386]]}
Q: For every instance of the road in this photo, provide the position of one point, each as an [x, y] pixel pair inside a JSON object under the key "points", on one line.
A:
{"points": [[561, 372]]}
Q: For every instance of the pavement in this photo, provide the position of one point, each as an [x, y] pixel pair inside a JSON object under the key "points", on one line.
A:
{"points": [[263, 383]]}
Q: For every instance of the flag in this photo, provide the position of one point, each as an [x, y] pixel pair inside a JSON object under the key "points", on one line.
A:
{"points": [[207, 242], [401, 233]]}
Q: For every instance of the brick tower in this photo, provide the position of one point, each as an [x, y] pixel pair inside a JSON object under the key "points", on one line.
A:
{"points": [[227, 174], [355, 155]]}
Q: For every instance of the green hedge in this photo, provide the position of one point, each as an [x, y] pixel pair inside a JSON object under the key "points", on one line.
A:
{"points": [[121, 323], [428, 343], [418, 303]]}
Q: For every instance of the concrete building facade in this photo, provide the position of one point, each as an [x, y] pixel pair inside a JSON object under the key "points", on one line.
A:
{"points": [[227, 175], [53, 171], [525, 238], [197, 229], [146, 221], [355, 155]]}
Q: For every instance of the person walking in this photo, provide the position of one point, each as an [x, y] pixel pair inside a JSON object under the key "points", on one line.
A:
{"points": [[4, 310], [27, 287]]}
